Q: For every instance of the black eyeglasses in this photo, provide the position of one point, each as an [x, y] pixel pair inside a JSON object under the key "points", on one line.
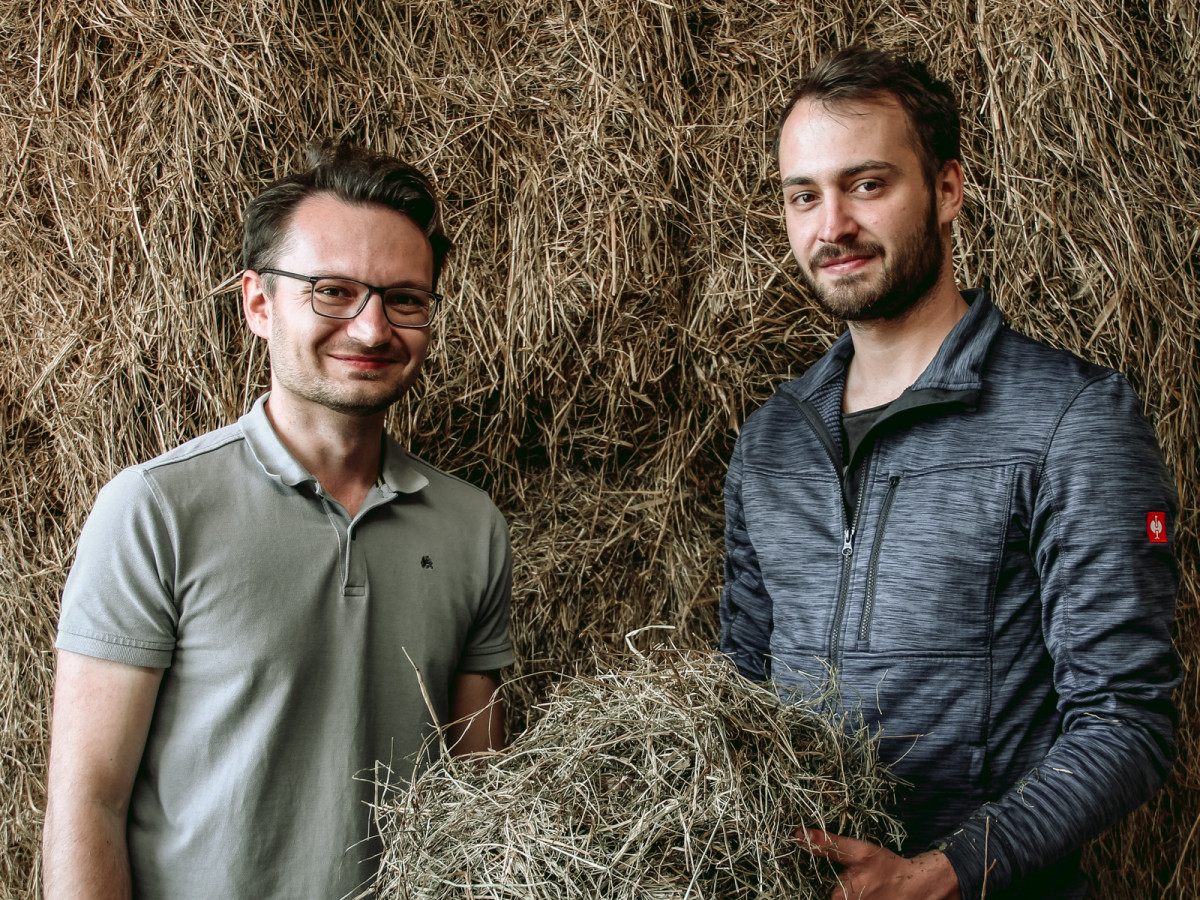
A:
{"points": [[345, 298]]}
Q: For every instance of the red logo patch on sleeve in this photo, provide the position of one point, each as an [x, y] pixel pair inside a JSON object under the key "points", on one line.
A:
{"points": [[1156, 527]]}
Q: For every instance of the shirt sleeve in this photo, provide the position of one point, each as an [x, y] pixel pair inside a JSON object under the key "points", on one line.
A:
{"points": [[489, 645], [746, 608], [118, 599], [1108, 582]]}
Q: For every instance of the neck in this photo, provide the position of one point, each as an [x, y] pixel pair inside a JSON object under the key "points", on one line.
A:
{"points": [[342, 452], [890, 354]]}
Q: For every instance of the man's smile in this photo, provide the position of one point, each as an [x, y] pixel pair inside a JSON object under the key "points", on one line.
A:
{"points": [[364, 362], [844, 265], [842, 259]]}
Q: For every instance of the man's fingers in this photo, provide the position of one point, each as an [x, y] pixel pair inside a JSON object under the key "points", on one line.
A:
{"points": [[837, 847], [820, 843]]}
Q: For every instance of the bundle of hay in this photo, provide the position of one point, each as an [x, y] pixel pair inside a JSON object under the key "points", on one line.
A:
{"points": [[668, 777]]}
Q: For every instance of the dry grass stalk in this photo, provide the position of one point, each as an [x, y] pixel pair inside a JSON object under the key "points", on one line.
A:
{"points": [[661, 777]]}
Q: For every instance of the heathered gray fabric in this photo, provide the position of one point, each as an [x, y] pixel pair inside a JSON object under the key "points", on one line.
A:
{"points": [[282, 627], [1000, 599]]}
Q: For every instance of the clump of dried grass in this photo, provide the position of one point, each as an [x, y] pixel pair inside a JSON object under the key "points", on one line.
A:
{"points": [[665, 775]]}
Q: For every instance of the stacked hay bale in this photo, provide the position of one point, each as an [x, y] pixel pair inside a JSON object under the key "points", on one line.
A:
{"points": [[664, 776], [621, 297]]}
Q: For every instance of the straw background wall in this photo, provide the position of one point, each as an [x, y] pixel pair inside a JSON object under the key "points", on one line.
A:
{"points": [[621, 297]]}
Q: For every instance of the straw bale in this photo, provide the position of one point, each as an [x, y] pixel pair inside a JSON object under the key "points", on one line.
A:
{"points": [[621, 296], [665, 775]]}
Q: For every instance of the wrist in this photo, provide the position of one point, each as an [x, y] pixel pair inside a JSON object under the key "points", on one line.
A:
{"points": [[938, 876]]}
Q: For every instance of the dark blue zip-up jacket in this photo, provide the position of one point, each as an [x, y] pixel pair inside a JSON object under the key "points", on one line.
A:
{"points": [[999, 600]]}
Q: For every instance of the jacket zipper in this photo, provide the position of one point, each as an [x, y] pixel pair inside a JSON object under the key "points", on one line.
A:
{"points": [[848, 528], [873, 565], [835, 631]]}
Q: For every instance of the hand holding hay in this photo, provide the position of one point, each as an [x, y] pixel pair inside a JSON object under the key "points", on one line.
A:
{"points": [[871, 872], [669, 777]]}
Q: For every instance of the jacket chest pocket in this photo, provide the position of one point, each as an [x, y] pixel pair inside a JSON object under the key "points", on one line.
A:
{"points": [[927, 569]]}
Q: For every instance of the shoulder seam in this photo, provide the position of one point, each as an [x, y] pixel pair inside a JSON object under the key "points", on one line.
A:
{"points": [[185, 451], [1069, 401]]}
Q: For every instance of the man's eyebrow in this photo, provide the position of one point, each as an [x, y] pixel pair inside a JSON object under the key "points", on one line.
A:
{"points": [[869, 165]]}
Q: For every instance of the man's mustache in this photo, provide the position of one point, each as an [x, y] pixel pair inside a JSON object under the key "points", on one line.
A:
{"points": [[830, 252]]}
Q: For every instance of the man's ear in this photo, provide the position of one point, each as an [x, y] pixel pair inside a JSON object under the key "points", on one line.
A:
{"points": [[256, 304], [948, 190]]}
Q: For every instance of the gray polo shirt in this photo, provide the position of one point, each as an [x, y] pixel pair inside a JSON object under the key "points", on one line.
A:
{"points": [[282, 625]]}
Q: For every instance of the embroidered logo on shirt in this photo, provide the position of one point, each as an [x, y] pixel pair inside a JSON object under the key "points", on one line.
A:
{"points": [[1156, 527], [426, 562]]}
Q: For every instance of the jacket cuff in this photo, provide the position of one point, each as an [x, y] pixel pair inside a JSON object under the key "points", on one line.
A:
{"points": [[973, 850]]}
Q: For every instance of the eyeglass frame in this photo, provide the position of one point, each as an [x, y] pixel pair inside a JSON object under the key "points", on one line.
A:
{"points": [[312, 280]]}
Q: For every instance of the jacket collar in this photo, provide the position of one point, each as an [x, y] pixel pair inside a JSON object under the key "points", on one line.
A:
{"points": [[954, 374]]}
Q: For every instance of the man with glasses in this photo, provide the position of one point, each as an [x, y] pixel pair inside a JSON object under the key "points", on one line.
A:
{"points": [[257, 618]]}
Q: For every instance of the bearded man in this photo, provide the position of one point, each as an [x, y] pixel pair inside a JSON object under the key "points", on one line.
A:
{"points": [[969, 531]]}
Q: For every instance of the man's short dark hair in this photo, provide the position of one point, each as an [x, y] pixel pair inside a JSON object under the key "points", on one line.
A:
{"points": [[858, 73], [351, 174]]}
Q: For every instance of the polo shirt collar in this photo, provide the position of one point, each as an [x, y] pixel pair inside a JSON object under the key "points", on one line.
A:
{"points": [[268, 449], [398, 474], [398, 471]]}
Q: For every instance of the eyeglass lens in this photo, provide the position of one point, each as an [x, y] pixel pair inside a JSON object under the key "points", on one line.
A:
{"points": [[342, 298]]}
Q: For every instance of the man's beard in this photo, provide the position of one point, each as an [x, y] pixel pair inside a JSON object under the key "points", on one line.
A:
{"points": [[909, 273]]}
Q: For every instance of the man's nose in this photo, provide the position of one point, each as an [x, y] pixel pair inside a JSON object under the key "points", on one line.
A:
{"points": [[371, 326], [837, 223]]}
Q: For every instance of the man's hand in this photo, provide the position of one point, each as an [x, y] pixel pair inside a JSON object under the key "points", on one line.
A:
{"points": [[871, 872]]}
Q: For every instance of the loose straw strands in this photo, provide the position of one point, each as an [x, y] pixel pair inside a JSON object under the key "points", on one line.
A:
{"points": [[667, 775]]}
